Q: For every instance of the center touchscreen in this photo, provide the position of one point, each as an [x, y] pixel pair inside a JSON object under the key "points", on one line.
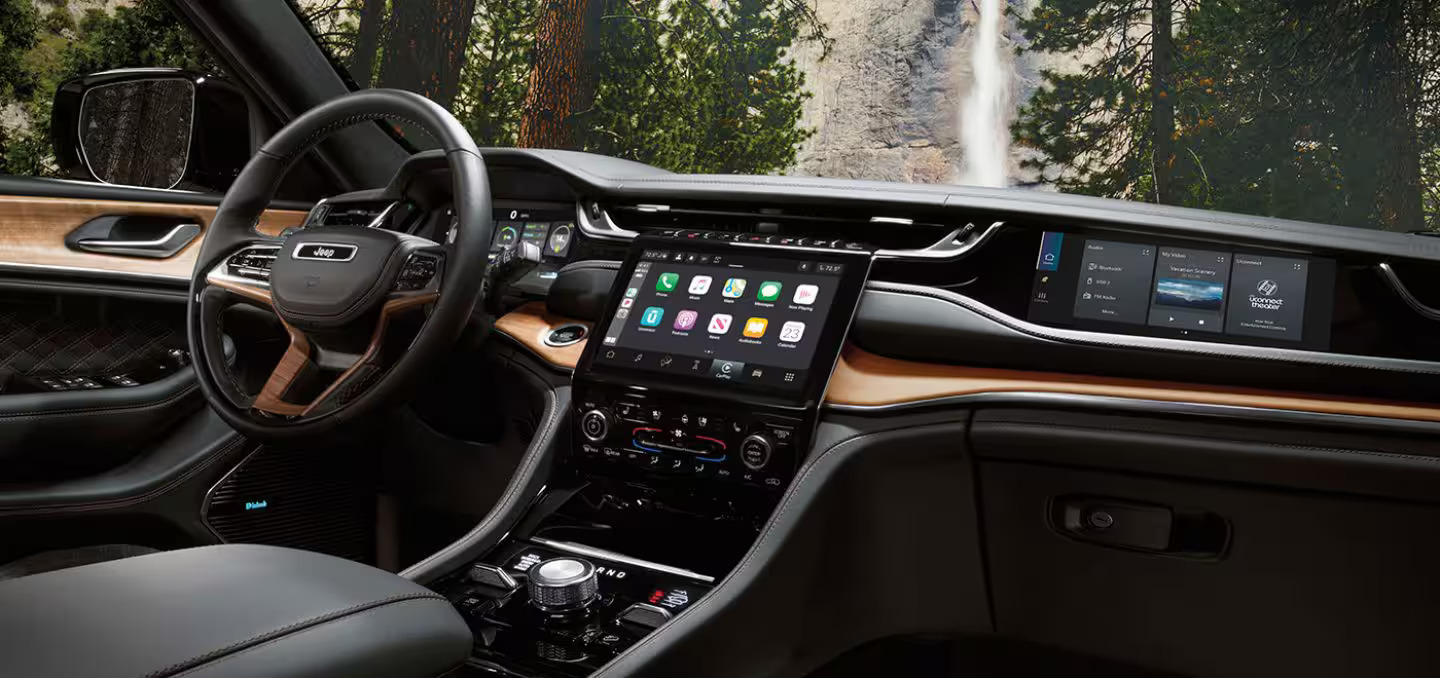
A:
{"points": [[1193, 292], [737, 318]]}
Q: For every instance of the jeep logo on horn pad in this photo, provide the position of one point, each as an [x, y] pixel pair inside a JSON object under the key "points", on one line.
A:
{"points": [[323, 251]]}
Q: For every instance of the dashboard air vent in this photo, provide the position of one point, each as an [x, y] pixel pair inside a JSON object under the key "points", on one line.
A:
{"points": [[387, 214], [898, 232]]}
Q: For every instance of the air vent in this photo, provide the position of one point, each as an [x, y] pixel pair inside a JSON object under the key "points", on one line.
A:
{"points": [[387, 214], [896, 233]]}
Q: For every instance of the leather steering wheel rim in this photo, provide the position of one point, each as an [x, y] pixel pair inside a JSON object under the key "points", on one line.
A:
{"points": [[461, 279]]}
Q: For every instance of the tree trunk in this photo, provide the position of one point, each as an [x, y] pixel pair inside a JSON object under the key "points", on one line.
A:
{"points": [[562, 79], [425, 47], [367, 42], [1162, 100], [1398, 199]]}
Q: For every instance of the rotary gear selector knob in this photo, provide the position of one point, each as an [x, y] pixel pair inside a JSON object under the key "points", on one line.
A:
{"points": [[563, 584]]}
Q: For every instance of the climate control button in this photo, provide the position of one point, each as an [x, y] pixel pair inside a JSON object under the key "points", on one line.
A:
{"points": [[595, 425], [755, 451]]}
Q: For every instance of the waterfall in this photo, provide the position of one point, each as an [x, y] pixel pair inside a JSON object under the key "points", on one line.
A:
{"points": [[985, 112]]}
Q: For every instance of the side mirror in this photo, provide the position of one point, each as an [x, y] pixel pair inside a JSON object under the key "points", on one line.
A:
{"points": [[157, 128]]}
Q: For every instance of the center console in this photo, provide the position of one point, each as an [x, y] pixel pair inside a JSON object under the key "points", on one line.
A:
{"points": [[694, 405]]}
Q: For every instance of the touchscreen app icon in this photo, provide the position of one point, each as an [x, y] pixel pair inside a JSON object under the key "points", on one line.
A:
{"points": [[652, 316], [792, 331], [700, 284], [805, 294], [685, 320], [734, 288], [769, 290], [719, 323], [755, 327], [667, 282]]}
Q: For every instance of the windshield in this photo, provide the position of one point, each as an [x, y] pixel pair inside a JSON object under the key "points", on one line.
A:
{"points": [[1321, 110]]}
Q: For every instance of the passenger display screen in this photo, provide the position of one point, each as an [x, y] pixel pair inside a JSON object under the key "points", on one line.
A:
{"points": [[1181, 291], [732, 317]]}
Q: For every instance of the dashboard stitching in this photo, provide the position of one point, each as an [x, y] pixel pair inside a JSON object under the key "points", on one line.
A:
{"points": [[1065, 337], [770, 529], [518, 483]]}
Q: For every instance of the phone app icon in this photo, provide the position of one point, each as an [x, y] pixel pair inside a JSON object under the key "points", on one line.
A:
{"points": [[685, 320], [719, 323], [652, 316], [769, 290], [755, 327], [700, 284], [805, 294], [734, 288], [792, 331], [667, 282]]}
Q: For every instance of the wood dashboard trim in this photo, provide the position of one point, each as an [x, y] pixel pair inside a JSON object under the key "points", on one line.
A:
{"points": [[867, 380], [529, 324], [33, 230]]}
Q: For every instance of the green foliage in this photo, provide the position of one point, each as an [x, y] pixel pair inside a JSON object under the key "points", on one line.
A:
{"points": [[496, 74], [701, 88], [690, 86], [1310, 111]]}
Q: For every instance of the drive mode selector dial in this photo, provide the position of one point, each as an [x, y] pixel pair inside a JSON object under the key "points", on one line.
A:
{"points": [[755, 451], [595, 424], [562, 584]]}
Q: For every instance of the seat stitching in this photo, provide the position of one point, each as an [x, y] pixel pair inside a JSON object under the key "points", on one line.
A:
{"points": [[275, 634]]}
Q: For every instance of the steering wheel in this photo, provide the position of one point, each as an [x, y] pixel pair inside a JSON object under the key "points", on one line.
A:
{"points": [[337, 289]]}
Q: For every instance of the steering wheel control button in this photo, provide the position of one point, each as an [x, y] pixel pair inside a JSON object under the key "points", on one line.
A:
{"points": [[755, 451], [595, 424], [565, 335], [417, 272], [646, 615], [489, 575], [563, 584]]}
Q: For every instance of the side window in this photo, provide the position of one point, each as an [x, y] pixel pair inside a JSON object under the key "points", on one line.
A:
{"points": [[45, 44]]}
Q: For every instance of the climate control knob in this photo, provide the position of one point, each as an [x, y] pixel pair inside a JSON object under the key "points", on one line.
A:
{"points": [[562, 584], [595, 425], [755, 451]]}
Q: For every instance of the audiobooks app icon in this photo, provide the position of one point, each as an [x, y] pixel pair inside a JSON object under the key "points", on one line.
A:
{"points": [[755, 327]]}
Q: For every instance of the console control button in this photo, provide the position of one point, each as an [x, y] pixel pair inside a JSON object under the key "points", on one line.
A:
{"points": [[595, 424], [489, 575], [561, 584], [755, 451], [646, 615]]}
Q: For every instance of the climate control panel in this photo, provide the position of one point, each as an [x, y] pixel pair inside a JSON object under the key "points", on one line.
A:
{"points": [[626, 432]]}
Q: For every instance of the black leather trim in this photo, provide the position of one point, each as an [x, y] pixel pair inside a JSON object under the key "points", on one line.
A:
{"points": [[196, 444], [529, 477], [1354, 462], [581, 289], [234, 610], [815, 583]]}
